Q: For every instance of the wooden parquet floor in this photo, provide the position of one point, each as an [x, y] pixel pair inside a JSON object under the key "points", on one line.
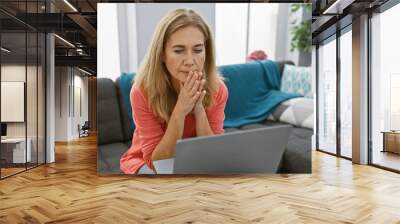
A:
{"points": [[70, 191]]}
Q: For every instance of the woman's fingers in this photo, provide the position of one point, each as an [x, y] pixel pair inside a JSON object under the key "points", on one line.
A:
{"points": [[202, 84], [202, 95], [186, 85], [197, 83], [192, 81], [188, 78], [195, 87], [195, 97], [201, 75], [199, 97]]}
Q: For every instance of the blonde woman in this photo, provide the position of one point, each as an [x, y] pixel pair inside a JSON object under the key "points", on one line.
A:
{"points": [[177, 92]]}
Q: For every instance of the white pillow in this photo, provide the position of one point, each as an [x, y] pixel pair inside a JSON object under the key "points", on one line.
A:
{"points": [[297, 111], [296, 79]]}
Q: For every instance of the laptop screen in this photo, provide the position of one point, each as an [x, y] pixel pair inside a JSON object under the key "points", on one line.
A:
{"points": [[3, 129]]}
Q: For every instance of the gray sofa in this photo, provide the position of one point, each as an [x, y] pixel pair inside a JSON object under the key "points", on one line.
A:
{"points": [[115, 134]]}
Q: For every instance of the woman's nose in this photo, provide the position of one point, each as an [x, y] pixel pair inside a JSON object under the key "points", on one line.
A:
{"points": [[189, 61]]}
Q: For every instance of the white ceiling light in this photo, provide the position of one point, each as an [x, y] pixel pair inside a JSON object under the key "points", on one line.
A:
{"points": [[70, 5], [5, 49], [86, 72], [65, 41]]}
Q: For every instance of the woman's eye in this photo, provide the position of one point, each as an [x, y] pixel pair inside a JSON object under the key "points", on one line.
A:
{"points": [[197, 51]]}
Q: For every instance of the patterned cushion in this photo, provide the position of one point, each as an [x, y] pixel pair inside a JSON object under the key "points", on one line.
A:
{"points": [[297, 80], [297, 111]]}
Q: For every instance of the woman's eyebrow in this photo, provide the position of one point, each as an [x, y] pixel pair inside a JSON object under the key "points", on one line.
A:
{"points": [[180, 46], [183, 46]]}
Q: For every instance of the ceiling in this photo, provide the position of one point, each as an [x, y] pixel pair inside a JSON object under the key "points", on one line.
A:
{"points": [[74, 21], [330, 15]]}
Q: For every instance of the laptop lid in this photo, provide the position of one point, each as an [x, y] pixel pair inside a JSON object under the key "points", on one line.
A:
{"points": [[250, 151]]}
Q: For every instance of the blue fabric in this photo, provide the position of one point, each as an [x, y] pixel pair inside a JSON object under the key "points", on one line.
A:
{"points": [[125, 84], [254, 92]]}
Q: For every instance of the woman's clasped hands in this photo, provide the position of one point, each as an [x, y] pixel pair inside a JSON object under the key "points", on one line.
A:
{"points": [[192, 93]]}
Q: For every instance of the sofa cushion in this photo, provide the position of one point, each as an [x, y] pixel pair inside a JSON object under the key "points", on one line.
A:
{"points": [[298, 112], [108, 113], [296, 79]]}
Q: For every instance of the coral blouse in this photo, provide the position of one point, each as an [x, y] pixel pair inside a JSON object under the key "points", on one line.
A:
{"points": [[150, 130]]}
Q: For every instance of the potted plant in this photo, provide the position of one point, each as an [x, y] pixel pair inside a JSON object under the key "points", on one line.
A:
{"points": [[301, 34]]}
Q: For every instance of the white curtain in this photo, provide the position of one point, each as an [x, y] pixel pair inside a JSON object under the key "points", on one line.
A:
{"points": [[244, 28]]}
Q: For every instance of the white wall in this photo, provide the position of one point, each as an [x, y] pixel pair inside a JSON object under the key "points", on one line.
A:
{"points": [[108, 57], [126, 33], [80, 83], [61, 103], [149, 14], [67, 116], [15, 72]]}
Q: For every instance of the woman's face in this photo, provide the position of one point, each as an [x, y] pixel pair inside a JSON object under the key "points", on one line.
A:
{"points": [[184, 51]]}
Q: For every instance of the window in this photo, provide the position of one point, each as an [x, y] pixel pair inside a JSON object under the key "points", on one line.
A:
{"points": [[107, 33], [266, 16], [394, 102], [230, 34], [346, 94], [233, 43], [22, 65], [385, 85], [327, 97]]}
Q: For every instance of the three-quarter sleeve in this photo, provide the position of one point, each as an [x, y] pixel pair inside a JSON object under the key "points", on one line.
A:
{"points": [[148, 128], [216, 114]]}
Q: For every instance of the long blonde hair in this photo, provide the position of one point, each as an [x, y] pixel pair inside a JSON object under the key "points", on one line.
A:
{"points": [[153, 77]]}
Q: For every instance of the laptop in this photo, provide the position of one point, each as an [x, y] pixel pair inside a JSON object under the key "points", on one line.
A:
{"points": [[251, 151]]}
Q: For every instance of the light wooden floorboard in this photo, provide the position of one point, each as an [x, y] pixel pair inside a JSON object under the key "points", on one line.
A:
{"points": [[70, 191]]}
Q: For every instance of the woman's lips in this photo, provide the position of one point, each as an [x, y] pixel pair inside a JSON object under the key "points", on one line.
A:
{"points": [[195, 70]]}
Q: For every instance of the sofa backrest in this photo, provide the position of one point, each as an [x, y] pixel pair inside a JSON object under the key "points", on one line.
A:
{"points": [[109, 119], [281, 65], [112, 117], [125, 118]]}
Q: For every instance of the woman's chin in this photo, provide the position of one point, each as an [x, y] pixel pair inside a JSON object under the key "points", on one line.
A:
{"points": [[182, 79]]}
